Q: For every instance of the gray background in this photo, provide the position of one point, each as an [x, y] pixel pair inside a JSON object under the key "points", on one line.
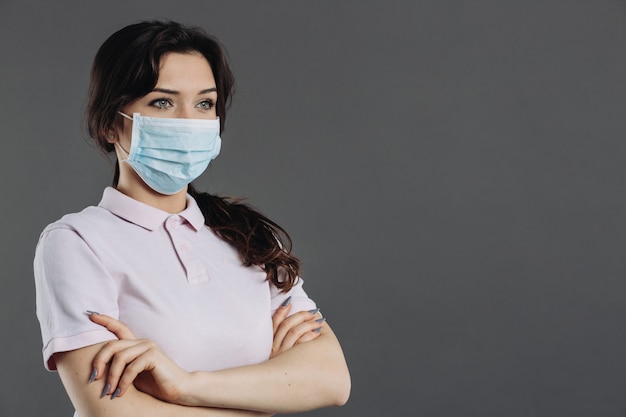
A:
{"points": [[452, 173]]}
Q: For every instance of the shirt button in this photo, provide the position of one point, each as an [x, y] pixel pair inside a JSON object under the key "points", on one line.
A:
{"points": [[172, 222]]}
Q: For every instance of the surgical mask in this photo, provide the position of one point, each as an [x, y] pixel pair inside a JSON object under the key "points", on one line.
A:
{"points": [[169, 153]]}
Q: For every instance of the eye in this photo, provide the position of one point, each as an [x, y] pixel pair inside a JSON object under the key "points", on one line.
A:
{"points": [[161, 103], [206, 105]]}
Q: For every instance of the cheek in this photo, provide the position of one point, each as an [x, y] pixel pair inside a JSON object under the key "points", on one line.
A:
{"points": [[123, 139], [125, 143], [124, 134]]}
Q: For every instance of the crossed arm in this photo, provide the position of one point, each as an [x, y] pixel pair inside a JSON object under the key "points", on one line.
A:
{"points": [[298, 377]]}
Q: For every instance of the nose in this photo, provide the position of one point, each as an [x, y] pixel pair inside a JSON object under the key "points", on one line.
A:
{"points": [[184, 112]]}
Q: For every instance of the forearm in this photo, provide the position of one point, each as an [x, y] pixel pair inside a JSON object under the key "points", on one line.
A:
{"points": [[310, 375], [74, 369], [138, 404]]}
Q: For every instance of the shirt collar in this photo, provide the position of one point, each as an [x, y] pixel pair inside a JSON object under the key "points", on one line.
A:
{"points": [[147, 216]]}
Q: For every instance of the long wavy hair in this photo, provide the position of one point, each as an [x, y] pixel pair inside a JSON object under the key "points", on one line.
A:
{"points": [[125, 68]]}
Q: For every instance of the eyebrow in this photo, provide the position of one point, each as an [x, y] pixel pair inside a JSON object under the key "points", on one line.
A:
{"points": [[174, 92]]}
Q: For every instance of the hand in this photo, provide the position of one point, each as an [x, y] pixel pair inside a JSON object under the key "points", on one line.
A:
{"points": [[135, 361], [298, 328]]}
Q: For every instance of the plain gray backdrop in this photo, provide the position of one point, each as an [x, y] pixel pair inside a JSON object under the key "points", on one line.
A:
{"points": [[452, 173]]}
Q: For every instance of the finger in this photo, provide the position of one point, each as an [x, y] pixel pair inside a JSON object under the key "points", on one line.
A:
{"points": [[281, 328], [127, 364], [305, 331], [281, 313], [106, 354], [132, 362], [308, 336], [115, 326], [291, 323]]}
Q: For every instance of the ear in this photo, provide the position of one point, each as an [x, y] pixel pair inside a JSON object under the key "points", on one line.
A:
{"points": [[110, 136]]}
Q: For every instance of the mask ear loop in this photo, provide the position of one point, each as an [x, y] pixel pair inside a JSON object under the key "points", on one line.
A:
{"points": [[125, 115], [117, 143]]}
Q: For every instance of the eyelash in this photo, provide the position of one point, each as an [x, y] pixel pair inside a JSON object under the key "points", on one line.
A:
{"points": [[158, 103], [210, 104]]}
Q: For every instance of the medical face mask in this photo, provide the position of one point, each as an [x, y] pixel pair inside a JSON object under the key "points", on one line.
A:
{"points": [[169, 153]]}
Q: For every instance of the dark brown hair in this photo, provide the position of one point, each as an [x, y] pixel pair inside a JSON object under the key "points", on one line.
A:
{"points": [[126, 67]]}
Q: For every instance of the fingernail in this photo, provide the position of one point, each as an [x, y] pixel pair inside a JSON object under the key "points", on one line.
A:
{"points": [[286, 302], [94, 373], [317, 330], [115, 393], [322, 320], [89, 312], [105, 390], [315, 310]]}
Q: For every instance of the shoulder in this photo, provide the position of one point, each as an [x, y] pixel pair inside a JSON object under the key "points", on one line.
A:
{"points": [[75, 239], [91, 217], [88, 226]]}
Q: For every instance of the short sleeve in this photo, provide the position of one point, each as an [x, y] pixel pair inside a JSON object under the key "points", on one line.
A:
{"points": [[300, 301], [69, 280]]}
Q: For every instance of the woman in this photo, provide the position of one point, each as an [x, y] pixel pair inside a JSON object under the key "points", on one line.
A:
{"points": [[163, 299]]}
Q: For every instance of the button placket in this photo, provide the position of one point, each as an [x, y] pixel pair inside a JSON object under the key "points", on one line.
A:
{"points": [[194, 268]]}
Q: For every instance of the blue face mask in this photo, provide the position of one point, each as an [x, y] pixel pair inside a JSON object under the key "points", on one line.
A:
{"points": [[169, 153]]}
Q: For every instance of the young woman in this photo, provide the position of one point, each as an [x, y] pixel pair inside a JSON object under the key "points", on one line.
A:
{"points": [[164, 301]]}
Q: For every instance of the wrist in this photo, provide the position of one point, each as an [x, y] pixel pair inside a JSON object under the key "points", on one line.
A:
{"points": [[194, 390]]}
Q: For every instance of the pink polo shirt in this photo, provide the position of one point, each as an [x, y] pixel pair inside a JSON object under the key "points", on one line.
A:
{"points": [[167, 276]]}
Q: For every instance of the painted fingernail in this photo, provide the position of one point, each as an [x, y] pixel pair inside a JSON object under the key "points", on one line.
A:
{"points": [[115, 393], [315, 310], [317, 330], [286, 302], [105, 390], [322, 320], [93, 376], [89, 312]]}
